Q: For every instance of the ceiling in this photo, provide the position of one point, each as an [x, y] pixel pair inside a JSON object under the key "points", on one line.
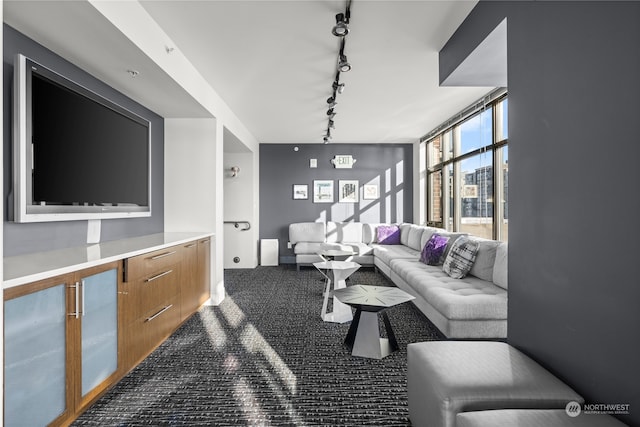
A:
{"points": [[273, 62]]}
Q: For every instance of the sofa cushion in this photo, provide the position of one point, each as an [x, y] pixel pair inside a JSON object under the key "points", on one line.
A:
{"points": [[306, 232], [411, 270], [433, 251], [460, 258], [485, 259], [370, 233], [388, 234], [387, 253], [336, 246], [360, 248], [415, 236], [404, 233], [469, 298], [308, 248], [500, 267], [356, 247], [344, 231]]}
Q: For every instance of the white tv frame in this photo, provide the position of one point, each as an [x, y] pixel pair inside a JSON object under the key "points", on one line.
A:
{"points": [[23, 210]]}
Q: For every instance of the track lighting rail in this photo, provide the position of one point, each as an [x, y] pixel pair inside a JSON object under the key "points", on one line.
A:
{"points": [[341, 29]]}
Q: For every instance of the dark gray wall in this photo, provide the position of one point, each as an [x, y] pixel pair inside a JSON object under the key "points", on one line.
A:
{"points": [[574, 86], [388, 165], [35, 237]]}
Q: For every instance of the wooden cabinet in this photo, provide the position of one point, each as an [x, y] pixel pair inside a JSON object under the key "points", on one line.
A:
{"points": [[35, 360], [70, 337], [204, 271], [196, 275], [61, 345], [95, 328], [189, 294], [150, 296]]}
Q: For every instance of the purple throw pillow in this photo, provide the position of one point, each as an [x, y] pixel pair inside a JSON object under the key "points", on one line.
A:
{"points": [[433, 251], [388, 234]]}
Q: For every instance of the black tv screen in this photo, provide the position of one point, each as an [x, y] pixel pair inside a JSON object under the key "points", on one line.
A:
{"points": [[84, 156]]}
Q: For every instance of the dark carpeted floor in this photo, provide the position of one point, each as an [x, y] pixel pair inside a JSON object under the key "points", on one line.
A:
{"points": [[264, 357]]}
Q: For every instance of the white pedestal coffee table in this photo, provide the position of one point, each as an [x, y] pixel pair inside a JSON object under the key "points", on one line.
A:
{"points": [[341, 270], [363, 338]]}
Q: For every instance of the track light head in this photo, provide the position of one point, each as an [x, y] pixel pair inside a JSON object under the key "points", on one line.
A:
{"points": [[338, 87], [341, 28], [331, 99], [330, 112], [343, 64], [333, 104], [327, 136], [331, 124]]}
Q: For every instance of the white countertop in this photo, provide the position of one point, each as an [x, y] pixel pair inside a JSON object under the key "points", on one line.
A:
{"points": [[22, 269]]}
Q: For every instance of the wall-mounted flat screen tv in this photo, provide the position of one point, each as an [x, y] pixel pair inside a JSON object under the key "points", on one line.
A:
{"points": [[77, 155]]}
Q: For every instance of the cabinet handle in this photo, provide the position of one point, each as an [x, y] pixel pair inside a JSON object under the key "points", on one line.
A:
{"points": [[76, 286], [149, 319], [190, 246], [157, 276], [162, 255], [83, 288]]}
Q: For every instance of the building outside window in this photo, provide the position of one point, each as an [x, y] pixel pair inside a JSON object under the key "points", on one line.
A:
{"points": [[467, 173]]}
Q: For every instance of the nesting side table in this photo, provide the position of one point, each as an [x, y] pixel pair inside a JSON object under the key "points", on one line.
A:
{"points": [[363, 338], [340, 270]]}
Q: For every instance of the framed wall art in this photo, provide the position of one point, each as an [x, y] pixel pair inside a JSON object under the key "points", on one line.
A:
{"points": [[323, 191], [348, 191], [370, 192], [300, 191]]}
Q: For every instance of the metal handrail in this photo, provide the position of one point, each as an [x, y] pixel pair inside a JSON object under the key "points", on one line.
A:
{"points": [[236, 224]]}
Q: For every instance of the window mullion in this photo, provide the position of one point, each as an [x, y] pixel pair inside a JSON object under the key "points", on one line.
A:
{"points": [[448, 175]]}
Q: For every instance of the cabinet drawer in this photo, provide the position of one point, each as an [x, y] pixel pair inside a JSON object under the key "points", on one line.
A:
{"points": [[152, 262], [150, 291], [146, 332]]}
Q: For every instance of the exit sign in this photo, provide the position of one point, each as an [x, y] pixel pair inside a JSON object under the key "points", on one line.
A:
{"points": [[341, 161]]}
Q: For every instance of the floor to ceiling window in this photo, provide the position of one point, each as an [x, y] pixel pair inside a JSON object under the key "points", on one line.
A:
{"points": [[467, 173]]}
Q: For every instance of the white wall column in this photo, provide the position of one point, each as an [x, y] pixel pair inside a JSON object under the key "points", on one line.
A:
{"points": [[189, 150], [239, 201], [193, 194], [217, 270], [136, 24]]}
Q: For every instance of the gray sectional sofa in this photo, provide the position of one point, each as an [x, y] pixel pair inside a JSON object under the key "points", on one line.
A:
{"points": [[472, 307]]}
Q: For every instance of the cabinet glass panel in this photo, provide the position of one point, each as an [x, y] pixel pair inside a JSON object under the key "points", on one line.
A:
{"points": [[35, 354], [99, 328]]}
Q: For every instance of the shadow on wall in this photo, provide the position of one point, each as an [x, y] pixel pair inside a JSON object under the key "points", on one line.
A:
{"points": [[379, 200]]}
